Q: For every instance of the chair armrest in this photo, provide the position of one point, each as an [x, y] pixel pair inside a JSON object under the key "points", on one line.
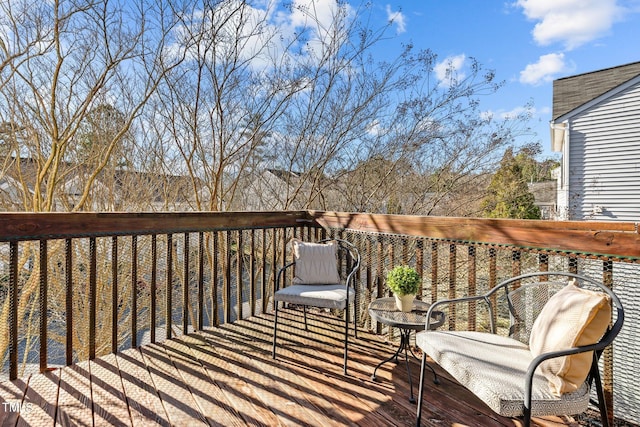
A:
{"points": [[559, 353], [280, 274], [528, 386]]}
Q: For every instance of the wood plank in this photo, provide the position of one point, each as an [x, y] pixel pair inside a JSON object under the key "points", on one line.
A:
{"points": [[58, 225], [394, 393], [306, 401], [313, 359], [247, 398], [186, 353], [613, 238], [586, 237], [289, 379], [74, 397], [109, 400], [449, 402], [145, 406], [175, 394], [12, 400], [253, 358], [225, 376], [42, 394], [357, 393]]}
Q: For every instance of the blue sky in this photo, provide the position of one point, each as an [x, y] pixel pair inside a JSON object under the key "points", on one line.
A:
{"points": [[529, 43]]}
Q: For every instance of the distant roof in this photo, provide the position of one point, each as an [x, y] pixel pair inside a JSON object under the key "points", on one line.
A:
{"points": [[571, 92], [544, 192], [284, 174]]}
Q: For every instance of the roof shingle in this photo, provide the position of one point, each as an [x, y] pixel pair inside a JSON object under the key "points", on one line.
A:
{"points": [[571, 92]]}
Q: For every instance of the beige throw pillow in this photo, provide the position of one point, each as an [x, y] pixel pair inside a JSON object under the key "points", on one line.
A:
{"points": [[572, 317], [316, 263]]}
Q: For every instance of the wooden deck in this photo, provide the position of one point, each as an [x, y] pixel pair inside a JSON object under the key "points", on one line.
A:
{"points": [[226, 377]]}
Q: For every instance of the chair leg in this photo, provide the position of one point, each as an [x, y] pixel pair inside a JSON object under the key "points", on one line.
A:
{"points": [[304, 310], [421, 389], [602, 403], [526, 418], [346, 343], [527, 402], [346, 337], [355, 315], [355, 321], [275, 327]]}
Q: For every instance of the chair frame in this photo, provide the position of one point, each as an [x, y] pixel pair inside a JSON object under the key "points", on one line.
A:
{"points": [[352, 266], [598, 348]]}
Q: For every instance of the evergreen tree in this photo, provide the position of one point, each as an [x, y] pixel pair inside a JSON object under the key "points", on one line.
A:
{"points": [[532, 169], [508, 195]]}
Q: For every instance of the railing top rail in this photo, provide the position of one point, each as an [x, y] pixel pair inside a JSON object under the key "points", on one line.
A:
{"points": [[590, 238], [61, 225], [619, 240]]}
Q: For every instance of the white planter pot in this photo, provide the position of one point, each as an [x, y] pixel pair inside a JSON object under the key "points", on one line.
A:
{"points": [[405, 302]]}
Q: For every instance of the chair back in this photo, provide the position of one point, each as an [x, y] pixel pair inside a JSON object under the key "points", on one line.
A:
{"points": [[527, 294], [348, 259]]}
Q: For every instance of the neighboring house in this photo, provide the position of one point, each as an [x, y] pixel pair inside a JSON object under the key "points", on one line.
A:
{"points": [[272, 190], [158, 192], [11, 196], [596, 127], [545, 195], [121, 190]]}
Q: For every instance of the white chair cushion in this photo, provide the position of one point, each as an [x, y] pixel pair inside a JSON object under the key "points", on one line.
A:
{"points": [[572, 317], [316, 263], [327, 296], [494, 367]]}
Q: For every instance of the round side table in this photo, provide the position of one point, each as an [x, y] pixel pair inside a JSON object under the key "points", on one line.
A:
{"points": [[384, 310]]}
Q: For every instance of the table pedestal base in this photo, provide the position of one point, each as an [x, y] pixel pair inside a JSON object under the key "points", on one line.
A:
{"points": [[406, 346]]}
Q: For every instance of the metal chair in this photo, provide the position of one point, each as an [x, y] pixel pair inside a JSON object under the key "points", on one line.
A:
{"points": [[325, 274], [524, 372]]}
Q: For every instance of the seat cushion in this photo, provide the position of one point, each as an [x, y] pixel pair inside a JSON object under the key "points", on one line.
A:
{"points": [[494, 367], [572, 317], [327, 296], [316, 263]]}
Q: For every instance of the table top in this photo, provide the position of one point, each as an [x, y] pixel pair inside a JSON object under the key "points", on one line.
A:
{"points": [[384, 310]]}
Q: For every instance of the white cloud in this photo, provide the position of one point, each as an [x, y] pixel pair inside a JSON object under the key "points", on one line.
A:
{"points": [[545, 70], [229, 24], [313, 13], [374, 128], [515, 113], [266, 29], [571, 22], [450, 69], [316, 16], [397, 18]]}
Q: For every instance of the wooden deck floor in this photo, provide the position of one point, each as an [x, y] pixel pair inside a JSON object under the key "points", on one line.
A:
{"points": [[226, 377]]}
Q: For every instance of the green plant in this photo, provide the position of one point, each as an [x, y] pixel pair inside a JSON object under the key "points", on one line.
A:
{"points": [[403, 280]]}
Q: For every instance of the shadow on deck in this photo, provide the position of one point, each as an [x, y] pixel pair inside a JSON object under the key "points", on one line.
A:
{"points": [[226, 376]]}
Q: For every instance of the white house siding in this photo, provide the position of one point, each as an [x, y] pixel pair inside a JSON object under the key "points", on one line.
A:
{"points": [[604, 184], [626, 362], [604, 169]]}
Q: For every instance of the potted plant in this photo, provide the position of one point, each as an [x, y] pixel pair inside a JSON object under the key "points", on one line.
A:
{"points": [[404, 282]]}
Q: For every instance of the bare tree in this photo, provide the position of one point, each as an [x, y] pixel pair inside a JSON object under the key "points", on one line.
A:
{"points": [[64, 62], [215, 110], [280, 117], [225, 104], [74, 78], [436, 143]]}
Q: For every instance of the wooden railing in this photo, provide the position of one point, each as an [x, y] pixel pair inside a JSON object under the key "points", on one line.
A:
{"points": [[85, 284], [74, 286], [465, 256]]}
